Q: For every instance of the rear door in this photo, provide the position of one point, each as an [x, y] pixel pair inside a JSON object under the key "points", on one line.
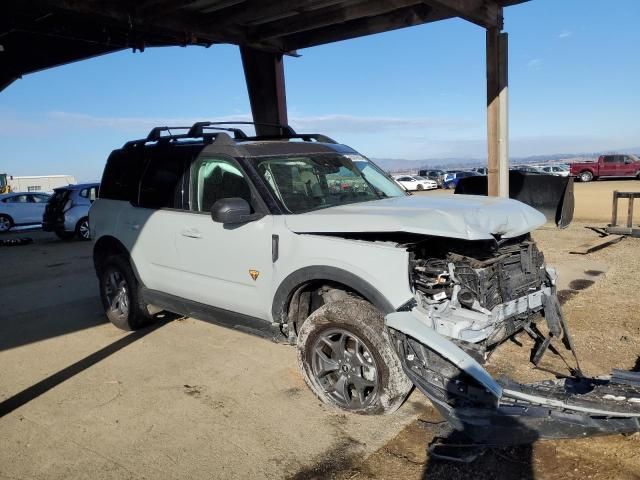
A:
{"points": [[149, 227], [609, 165]]}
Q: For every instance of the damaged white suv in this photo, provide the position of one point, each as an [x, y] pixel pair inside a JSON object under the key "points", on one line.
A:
{"points": [[300, 239]]}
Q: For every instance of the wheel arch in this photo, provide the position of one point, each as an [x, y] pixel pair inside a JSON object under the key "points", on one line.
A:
{"points": [[106, 246], [320, 274]]}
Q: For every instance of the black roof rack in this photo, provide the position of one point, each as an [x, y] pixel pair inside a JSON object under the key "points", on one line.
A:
{"points": [[197, 130]]}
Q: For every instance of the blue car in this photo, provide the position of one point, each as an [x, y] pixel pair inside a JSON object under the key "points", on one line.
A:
{"points": [[67, 213], [451, 179]]}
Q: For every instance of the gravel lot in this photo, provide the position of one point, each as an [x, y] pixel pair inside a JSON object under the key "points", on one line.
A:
{"points": [[188, 399]]}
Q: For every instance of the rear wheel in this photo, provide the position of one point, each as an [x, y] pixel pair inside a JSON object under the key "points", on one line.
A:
{"points": [[586, 176], [82, 229], [119, 292], [347, 359], [6, 223]]}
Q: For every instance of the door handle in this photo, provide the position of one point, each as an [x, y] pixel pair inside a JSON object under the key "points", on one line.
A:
{"points": [[191, 233]]}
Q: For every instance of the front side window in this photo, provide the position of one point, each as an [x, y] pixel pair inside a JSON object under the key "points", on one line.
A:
{"points": [[213, 179], [18, 199], [310, 182]]}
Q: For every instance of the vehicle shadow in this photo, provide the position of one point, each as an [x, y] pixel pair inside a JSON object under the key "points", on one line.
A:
{"points": [[34, 391], [487, 444]]}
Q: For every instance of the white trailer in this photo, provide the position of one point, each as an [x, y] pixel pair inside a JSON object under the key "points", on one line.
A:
{"points": [[39, 183]]}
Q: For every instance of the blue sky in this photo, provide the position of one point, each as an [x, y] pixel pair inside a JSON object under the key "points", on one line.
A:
{"points": [[416, 93]]}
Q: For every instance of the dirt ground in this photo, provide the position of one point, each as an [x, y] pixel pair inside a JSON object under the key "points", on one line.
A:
{"points": [[187, 399], [599, 293]]}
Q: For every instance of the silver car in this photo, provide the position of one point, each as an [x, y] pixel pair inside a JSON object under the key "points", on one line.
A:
{"points": [[21, 209], [67, 213]]}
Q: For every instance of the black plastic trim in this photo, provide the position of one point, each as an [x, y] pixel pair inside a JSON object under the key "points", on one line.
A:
{"points": [[215, 315], [321, 272]]}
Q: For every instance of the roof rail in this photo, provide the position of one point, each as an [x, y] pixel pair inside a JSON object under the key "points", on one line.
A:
{"points": [[307, 137], [156, 133], [197, 128]]}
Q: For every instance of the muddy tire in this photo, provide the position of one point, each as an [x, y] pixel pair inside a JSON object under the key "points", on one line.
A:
{"points": [[347, 360], [119, 292]]}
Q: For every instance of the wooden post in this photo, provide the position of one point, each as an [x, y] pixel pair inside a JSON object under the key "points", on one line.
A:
{"points": [[497, 112], [264, 74], [614, 209], [630, 212]]}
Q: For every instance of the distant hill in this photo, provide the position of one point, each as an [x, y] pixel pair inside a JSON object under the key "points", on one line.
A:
{"points": [[398, 165]]}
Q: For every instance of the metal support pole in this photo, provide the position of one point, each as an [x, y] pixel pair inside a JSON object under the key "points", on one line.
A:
{"points": [[497, 112], [264, 74]]}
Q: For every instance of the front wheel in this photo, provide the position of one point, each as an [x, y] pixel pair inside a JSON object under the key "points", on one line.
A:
{"points": [[5, 223], [586, 176], [347, 359], [420, 187], [120, 296]]}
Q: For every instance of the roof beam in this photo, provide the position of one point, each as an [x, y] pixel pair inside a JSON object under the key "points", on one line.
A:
{"points": [[404, 17], [186, 26], [485, 13], [329, 16], [262, 11]]}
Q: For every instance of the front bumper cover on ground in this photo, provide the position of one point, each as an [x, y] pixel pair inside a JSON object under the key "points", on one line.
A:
{"points": [[505, 412]]}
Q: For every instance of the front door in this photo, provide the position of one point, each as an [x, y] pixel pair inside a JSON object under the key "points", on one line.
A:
{"points": [[225, 266]]}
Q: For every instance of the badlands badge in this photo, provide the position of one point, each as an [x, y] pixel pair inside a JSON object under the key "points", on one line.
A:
{"points": [[254, 274]]}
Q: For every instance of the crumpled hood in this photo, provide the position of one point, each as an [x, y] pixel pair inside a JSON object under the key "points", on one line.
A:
{"points": [[468, 217]]}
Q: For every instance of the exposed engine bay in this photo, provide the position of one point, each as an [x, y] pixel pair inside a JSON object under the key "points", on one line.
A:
{"points": [[470, 296], [480, 292]]}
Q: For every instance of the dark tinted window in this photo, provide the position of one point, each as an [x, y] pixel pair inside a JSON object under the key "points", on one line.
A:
{"points": [[611, 158], [122, 175], [161, 185]]}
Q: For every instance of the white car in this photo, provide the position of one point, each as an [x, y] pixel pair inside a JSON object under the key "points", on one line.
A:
{"points": [[557, 170], [21, 209], [412, 183], [311, 244]]}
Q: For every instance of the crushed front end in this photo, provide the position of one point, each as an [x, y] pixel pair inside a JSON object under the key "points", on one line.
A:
{"points": [[468, 298]]}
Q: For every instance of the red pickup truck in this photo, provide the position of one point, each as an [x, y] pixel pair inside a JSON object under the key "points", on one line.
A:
{"points": [[607, 166]]}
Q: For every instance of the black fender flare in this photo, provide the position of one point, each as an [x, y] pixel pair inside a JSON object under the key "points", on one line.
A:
{"points": [[112, 244], [304, 275]]}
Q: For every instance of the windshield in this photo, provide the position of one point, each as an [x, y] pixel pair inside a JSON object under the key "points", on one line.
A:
{"points": [[304, 183], [3, 180]]}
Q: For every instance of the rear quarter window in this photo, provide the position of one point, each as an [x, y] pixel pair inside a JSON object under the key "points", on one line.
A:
{"points": [[122, 174]]}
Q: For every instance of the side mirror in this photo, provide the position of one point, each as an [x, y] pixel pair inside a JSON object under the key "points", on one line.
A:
{"points": [[231, 210]]}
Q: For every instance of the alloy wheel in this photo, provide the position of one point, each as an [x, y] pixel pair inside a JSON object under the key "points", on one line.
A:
{"points": [[117, 293], [83, 230], [5, 224], [345, 368]]}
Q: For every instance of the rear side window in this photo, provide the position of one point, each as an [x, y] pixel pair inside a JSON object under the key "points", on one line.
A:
{"points": [[162, 181], [611, 159], [121, 176]]}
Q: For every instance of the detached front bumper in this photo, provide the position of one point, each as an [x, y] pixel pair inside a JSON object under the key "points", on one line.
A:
{"points": [[503, 411]]}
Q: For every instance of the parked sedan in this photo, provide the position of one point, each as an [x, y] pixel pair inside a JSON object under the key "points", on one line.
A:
{"points": [[557, 170], [21, 209], [413, 183]]}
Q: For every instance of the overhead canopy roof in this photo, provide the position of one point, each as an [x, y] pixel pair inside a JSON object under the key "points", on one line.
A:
{"points": [[38, 34]]}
